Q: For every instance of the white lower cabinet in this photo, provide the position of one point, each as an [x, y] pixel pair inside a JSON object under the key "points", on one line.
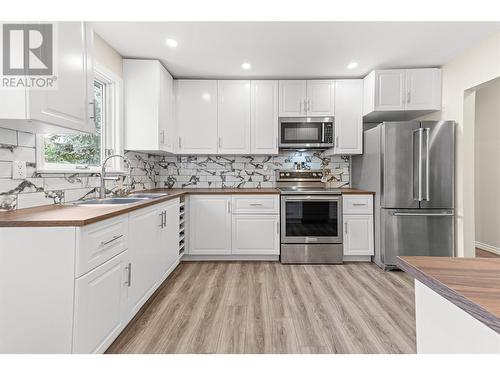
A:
{"points": [[358, 229], [101, 305], [234, 225], [358, 235], [210, 225], [168, 254], [256, 234]]}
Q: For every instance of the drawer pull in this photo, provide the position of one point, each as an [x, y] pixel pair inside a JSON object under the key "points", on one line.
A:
{"points": [[359, 204], [255, 204], [103, 243]]}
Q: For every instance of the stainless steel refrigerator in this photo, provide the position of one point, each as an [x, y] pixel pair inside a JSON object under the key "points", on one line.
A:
{"points": [[410, 166]]}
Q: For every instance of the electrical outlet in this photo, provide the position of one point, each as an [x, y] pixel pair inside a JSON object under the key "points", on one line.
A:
{"points": [[18, 170]]}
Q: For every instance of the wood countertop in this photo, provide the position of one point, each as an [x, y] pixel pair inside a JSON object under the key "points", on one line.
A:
{"points": [[473, 284], [70, 215]]}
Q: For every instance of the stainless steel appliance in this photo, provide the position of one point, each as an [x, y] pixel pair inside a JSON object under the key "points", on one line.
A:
{"points": [[306, 132], [410, 166], [311, 218]]}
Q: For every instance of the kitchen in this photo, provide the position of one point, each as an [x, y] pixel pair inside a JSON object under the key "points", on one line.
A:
{"points": [[152, 203]]}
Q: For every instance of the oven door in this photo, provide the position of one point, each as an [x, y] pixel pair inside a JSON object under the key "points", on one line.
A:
{"points": [[304, 132], [311, 219]]}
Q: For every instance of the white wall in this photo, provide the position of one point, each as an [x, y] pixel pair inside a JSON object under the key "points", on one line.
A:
{"points": [[461, 76], [105, 55], [487, 171]]}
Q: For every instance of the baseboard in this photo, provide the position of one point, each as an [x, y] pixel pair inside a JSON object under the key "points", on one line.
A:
{"points": [[491, 249], [266, 258], [357, 258]]}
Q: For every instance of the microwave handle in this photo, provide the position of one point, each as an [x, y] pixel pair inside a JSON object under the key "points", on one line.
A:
{"points": [[323, 132]]}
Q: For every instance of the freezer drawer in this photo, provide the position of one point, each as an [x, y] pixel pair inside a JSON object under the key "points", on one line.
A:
{"points": [[415, 232]]}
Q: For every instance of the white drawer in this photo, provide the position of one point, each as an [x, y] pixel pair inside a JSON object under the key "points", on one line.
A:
{"points": [[96, 243], [258, 204], [357, 204]]}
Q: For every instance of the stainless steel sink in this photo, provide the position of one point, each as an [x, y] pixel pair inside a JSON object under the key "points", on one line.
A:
{"points": [[110, 201], [148, 195]]}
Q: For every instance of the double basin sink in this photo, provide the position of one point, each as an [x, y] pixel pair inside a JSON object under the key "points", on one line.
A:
{"points": [[129, 199]]}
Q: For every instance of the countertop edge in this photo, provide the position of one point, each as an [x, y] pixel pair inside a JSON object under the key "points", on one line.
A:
{"points": [[459, 300], [53, 223]]}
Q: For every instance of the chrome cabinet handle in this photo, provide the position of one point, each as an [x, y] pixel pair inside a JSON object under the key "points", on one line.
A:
{"points": [[359, 204], [164, 219], [220, 142], [92, 103], [345, 227], [129, 274], [228, 207], [255, 204], [408, 97], [180, 142], [103, 243], [308, 105]]}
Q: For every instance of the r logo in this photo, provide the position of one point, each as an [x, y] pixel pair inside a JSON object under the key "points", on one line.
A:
{"points": [[27, 49]]}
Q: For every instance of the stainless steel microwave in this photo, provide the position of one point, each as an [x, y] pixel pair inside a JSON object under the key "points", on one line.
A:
{"points": [[306, 132]]}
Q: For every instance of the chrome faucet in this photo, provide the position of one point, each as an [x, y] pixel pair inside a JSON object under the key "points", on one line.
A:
{"points": [[102, 190]]}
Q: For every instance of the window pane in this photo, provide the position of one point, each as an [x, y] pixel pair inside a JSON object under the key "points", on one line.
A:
{"points": [[78, 148]]}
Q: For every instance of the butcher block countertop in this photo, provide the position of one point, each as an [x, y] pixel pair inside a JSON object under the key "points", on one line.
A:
{"points": [[473, 284], [70, 215]]}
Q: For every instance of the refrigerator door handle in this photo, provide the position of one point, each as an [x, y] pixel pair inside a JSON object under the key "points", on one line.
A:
{"points": [[427, 163], [423, 214], [419, 158]]}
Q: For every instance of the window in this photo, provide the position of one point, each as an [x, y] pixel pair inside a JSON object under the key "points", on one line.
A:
{"points": [[85, 152]]}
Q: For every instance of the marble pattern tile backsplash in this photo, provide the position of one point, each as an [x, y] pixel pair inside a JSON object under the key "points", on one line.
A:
{"points": [[242, 171], [42, 188], [148, 171]]}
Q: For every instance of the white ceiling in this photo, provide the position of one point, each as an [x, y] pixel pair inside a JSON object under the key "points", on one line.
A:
{"points": [[292, 49]]}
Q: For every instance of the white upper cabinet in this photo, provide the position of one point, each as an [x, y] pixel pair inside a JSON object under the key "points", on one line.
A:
{"points": [[264, 117], [292, 98], [196, 116], [348, 116], [306, 98], [401, 94], [423, 89], [68, 107], [148, 106], [234, 117], [320, 98]]}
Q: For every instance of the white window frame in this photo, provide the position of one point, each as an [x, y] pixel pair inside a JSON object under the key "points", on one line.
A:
{"points": [[112, 131]]}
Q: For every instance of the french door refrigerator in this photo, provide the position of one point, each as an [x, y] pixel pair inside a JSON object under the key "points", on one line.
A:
{"points": [[410, 166]]}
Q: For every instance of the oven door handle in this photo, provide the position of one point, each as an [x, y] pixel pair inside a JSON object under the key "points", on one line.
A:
{"points": [[312, 198]]}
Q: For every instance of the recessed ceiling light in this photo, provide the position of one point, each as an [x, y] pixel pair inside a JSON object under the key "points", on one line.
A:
{"points": [[172, 43], [352, 65], [246, 66]]}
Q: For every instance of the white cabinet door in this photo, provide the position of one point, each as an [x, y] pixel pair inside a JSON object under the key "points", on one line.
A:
{"points": [[144, 226], [264, 118], [169, 239], [100, 305], [423, 89], [166, 119], [196, 116], [292, 98], [234, 117], [390, 90], [209, 224], [255, 234], [320, 97], [349, 116], [71, 104], [358, 235]]}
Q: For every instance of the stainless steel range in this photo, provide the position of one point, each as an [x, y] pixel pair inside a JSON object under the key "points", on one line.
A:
{"points": [[311, 218]]}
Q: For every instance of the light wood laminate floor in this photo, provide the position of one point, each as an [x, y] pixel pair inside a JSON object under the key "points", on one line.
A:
{"points": [[268, 307]]}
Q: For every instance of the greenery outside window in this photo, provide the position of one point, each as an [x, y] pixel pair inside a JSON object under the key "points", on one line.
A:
{"points": [[84, 153]]}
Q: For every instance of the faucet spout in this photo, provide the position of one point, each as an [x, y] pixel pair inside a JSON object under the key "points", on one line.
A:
{"points": [[102, 188]]}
